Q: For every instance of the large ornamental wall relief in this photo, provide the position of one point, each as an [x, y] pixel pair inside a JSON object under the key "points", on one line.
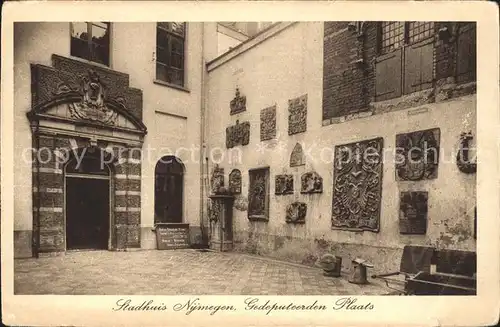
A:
{"points": [[258, 194], [92, 107], [417, 155], [357, 186], [238, 134]]}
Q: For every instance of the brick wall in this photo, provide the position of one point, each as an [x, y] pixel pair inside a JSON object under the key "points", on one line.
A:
{"points": [[349, 64]]}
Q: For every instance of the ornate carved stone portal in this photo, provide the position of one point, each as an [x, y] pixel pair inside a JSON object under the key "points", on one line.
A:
{"points": [[413, 213], [217, 179], [268, 123], [297, 156], [258, 194], [238, 134], [296, 213], [311, 183], [239, 103], [417, 155], [297, 115], [357, 185], [235, 181], [283, 184]]}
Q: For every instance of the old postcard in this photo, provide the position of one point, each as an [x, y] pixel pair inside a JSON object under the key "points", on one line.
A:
{"points": [[250, 163]]}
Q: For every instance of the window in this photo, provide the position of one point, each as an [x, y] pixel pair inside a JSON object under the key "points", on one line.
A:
{"points": [[90, 40], [405, 63], [170, 39]]}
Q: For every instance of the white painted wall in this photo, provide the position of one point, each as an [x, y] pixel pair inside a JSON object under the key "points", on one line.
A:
{"points": [[277, 70]]}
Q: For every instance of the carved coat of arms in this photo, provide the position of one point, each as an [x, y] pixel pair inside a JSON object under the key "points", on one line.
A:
{"points": [[357, 185], [92, 106], [417, 155]]}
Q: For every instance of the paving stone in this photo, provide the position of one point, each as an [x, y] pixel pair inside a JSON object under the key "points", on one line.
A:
{"points": [[179, 272]]}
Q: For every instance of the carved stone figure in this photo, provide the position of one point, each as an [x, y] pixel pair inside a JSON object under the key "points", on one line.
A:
{"points": [[215, 210], [296, 213], [464, 162], [235, 181], [238, 134], [258, 195], [268, 123], [357, 185], [238, 104], [413, 213], [217, 179], [311, 183], [297, 115], [297, 156], [417, 155], [92, 106], [283, 184]]}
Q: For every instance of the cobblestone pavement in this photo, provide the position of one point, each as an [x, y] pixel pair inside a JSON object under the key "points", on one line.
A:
{"points": [[186, 272]]}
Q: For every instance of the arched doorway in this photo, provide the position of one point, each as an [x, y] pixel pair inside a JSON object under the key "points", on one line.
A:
{"points": [[169, 188], [87, 190]]}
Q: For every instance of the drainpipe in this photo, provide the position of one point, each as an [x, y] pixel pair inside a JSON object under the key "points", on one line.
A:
{"points": [[36, 238], [202, 133]]}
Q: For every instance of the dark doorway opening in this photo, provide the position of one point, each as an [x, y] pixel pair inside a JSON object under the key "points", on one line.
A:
{"points": [[169, 186], [87, 213]]}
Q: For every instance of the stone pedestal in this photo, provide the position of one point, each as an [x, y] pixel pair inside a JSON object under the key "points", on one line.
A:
{"points": [[221, 233]]}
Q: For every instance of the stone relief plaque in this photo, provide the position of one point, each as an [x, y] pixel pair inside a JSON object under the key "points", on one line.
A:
{"points": [[417, 155], [239, 103], [413, 213], [217, 179], [235, 181], [297, 156], [268, 123], [283, 184], [311, 183], [297, 115], [357, 185], [296, 213], [238, 134], [258, 194]]}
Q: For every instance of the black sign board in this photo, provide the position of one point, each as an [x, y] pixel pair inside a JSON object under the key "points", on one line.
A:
{"points": [[172, 236]]}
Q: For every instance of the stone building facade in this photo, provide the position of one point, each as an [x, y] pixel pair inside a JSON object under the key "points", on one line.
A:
{"points": [[282, 124], [314, 105]]}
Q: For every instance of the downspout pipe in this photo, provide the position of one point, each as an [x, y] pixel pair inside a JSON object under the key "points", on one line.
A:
{"points": [[202, 135]]}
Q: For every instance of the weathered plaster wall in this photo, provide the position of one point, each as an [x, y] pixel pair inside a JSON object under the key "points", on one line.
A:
{"points": [[277, 70], [172, 116]]}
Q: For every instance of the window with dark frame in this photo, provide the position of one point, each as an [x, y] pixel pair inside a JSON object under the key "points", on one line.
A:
{"points": [[170, 43], [405, 62], [90, 41]]}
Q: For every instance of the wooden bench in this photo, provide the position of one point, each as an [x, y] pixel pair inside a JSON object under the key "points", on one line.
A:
{"points": [[428, 271]]}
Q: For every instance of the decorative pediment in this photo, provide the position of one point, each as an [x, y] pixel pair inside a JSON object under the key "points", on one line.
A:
{"points": [[84, 101]]}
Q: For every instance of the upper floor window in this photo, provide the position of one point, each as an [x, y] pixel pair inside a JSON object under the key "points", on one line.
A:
{"points": [[90, 40], [405, 64], [170, 40]]}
